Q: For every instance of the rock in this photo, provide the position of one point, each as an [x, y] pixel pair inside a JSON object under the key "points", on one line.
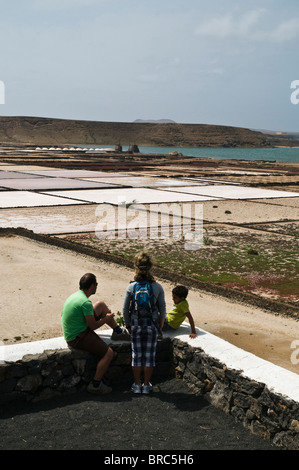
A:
{"points": [[30, 383]]}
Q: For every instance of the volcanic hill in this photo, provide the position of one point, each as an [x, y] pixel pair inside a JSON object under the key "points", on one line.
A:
{"points": [[48, 131]]}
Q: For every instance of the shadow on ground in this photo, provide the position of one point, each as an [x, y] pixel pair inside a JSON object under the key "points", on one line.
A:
{"points": [[171, 418]]}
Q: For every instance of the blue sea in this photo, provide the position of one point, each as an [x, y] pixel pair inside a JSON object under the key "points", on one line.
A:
{"points": [[281, 154]]}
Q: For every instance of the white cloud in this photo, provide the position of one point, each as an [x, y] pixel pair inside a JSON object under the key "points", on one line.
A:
{"points": [[247, 26], [227, 26], [285, 31], [219, 27]]}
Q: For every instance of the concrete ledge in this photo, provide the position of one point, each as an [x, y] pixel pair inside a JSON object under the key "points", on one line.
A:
{"points": [[277, 379]]}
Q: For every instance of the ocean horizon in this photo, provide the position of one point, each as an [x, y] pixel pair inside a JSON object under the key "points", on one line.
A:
{"points": [[277, 154]]}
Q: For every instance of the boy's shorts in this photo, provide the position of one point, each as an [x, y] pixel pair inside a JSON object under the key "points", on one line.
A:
{"points": [[166, 326], [91, 342]]}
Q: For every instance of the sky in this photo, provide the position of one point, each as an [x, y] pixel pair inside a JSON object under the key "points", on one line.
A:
{"points": [[192, 61]]}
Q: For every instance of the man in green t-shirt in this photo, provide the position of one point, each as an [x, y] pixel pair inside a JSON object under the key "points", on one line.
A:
{"points": [[80, 318], [179, 311]]}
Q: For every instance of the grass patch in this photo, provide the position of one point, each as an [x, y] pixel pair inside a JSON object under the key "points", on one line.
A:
{"points": [[239, 259]]}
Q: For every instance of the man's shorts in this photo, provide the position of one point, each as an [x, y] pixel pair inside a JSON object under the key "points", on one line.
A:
{"points": [[91, 342]]}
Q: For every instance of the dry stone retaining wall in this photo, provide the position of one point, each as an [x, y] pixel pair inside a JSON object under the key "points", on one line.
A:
{"points": [[54, 372], [265, 413]]}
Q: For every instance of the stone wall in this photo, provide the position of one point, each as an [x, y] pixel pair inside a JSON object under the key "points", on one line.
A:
{"points": [[54, 372], [263, 412], [263, 408]]}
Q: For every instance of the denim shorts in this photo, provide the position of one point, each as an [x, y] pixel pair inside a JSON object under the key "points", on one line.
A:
{"points": [[144, 336]]}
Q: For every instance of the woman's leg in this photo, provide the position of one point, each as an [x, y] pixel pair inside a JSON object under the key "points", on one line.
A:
{"points": [[136, 353], [150, 353], [137, 374], [148, 372]]}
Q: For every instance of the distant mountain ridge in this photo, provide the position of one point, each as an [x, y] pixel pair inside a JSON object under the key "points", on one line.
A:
{"points": [[161, 121], [49, 131], [289, 135]]}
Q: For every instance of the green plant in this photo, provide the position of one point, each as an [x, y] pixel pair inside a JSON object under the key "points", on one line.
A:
{"points": [[206, 239], [252, 251], [119, 318]]}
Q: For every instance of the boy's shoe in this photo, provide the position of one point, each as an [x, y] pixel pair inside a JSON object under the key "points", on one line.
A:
{"points": [[102, 389], [146, 389], [136, 388], [124, 336]]}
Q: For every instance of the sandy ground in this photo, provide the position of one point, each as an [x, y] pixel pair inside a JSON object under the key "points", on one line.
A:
{"points": [[37, 278]]}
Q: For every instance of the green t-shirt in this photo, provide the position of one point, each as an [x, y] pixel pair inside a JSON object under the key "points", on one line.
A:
{"points": [[177, 314], [75, 308]]}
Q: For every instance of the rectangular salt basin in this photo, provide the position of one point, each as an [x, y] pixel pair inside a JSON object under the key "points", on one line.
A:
{"points": [[28, 199], [57, 219], [91, 218], [143, 181], [16, 174], [232, 192], [41, 183], [75, 173], [130, 196]]}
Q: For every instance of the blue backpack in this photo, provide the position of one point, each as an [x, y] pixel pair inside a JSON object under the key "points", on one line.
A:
{"points": [[143, 299]]}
